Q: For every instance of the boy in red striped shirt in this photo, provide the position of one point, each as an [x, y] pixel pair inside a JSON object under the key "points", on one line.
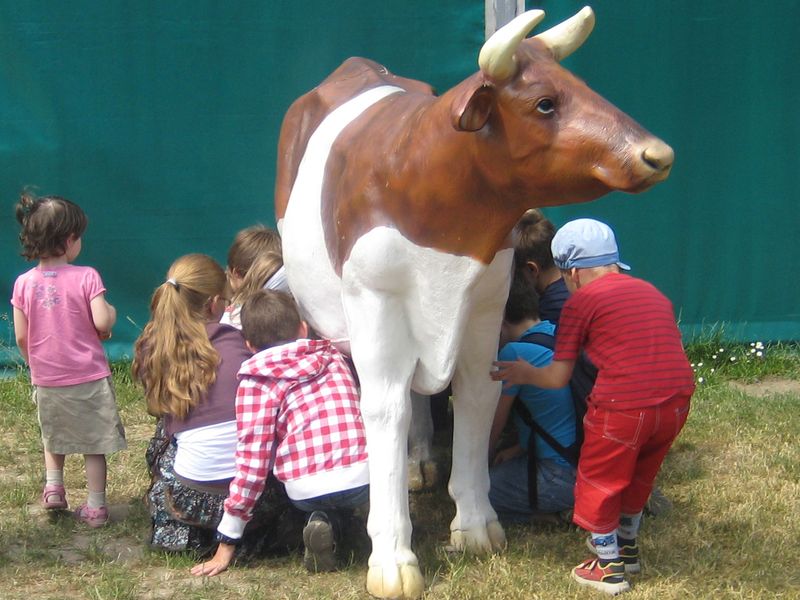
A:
{"points": [[639, 402], [297, 414]]}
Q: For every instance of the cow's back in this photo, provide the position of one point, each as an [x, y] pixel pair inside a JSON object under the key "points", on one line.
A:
{"points": [[355, 75]]}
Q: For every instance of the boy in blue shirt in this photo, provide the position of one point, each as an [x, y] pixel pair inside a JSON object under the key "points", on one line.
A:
{"points": [[552, 409]]}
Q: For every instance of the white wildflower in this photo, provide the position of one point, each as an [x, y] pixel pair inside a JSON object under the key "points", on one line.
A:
{"points": [[699, 364], [714, 356], [700, 380], [759, 354], [759, 345], [733, 358]]}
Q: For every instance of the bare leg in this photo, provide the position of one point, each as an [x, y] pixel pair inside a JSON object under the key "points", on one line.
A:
{"points": [[53, 462], [95, 472]]}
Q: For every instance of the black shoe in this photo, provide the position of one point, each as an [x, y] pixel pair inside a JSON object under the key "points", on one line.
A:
{"points": [[318, 537]]}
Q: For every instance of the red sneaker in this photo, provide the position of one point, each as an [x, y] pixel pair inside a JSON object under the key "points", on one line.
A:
{"points": [[628, 554], [609, 579], [54, 497]]}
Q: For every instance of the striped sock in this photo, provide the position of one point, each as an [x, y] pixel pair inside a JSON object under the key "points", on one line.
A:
{"points": [[54, 477], [629, 525], [96, 499]]}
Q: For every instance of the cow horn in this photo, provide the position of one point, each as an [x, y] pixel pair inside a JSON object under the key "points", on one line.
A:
{"points": [[566, 37], [496, 58]]}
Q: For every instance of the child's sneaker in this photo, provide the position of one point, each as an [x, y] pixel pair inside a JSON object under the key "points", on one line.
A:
{"points": [[93, 517], [628, 553], [319, 541], [609, 579], [54, 496]]}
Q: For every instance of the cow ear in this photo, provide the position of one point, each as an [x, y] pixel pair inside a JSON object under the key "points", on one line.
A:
{"points": [[472, 108]]}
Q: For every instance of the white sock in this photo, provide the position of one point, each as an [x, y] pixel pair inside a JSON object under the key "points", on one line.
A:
{"points": [[606, 545], [629, 525], [96, 499], [54, 477]]}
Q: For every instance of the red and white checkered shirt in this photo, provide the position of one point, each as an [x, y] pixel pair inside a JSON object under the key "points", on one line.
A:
{"points": [[297, 411]]}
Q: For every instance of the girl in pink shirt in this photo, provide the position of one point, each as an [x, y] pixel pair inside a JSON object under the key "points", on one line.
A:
{"points": [[60, 317]]}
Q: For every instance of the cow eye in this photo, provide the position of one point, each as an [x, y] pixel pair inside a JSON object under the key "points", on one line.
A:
{"points": [[545, 106]]}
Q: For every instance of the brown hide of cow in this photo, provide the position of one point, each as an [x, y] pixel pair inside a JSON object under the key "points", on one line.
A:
{"points": [[455, 173]]}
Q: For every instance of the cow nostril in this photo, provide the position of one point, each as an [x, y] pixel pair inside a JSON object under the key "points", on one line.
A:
{"points": [[658, 156]]}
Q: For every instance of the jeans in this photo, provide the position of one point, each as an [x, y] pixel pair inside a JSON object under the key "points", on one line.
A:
{"points": [[346, 499], [509, 489]]}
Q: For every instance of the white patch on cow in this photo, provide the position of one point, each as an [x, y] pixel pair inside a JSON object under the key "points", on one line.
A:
{"points": [[425, 291], [308, 265]]}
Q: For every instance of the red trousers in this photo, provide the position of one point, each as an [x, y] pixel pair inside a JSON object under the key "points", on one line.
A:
{"points": [[621, 455]]}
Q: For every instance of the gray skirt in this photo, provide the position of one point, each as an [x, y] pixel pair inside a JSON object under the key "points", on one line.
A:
{"points": [[80, 419]]}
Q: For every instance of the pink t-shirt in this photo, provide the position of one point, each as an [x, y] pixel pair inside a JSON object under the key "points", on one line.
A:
{"points": [[63, 345]]}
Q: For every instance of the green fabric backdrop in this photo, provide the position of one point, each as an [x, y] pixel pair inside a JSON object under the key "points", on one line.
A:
{"points": [[161, 120]]}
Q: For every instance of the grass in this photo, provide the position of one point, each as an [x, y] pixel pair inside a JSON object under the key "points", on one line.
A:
{"points": [[733, 476]]}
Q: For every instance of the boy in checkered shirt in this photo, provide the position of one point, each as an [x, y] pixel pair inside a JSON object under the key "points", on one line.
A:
{"points": [[297, 413]]}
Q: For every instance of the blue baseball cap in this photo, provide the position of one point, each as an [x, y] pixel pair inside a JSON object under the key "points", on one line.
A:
{"points": [[585, 243]]}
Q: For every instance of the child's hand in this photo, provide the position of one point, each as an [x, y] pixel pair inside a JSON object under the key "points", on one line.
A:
{"points": [[513, 372], [104, 335], [217, 564], [507, 454]]}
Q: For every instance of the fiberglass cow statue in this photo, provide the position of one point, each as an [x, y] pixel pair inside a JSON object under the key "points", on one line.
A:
{"points": [[395, 208]]}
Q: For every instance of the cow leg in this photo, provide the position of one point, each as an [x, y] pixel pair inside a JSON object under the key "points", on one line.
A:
{"points": [[383, 354], [475, 526], [423, 473]]}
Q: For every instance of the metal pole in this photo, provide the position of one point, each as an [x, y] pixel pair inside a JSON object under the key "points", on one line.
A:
{"points": [[500, 12]]}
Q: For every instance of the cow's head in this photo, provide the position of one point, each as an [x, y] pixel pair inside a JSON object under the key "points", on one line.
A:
{"points": [[553, 137]]}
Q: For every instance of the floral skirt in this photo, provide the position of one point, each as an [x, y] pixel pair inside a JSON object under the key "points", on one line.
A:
{"points": [[185, 518]]}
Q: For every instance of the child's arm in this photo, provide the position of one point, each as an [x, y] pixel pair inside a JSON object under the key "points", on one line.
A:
{"points": [[508, 453], [255, 429], [520, 372], [21, 332], [103, 315]]}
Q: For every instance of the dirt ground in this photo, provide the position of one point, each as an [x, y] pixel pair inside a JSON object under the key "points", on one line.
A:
{"points": [[768, 386]]}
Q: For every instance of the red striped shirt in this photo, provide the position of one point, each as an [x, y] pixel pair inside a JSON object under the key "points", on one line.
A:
{"points": [[628, 329]]}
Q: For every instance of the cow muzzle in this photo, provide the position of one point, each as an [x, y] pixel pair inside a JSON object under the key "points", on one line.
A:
{"points": [[655, 162], [649, 162]]}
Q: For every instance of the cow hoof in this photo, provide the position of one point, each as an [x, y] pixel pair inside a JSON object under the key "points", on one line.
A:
{"points": [[395, 581], [422, 475], [481, 540]]}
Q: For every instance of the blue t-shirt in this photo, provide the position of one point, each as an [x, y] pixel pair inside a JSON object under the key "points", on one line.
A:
{"points": [[552, 409]]}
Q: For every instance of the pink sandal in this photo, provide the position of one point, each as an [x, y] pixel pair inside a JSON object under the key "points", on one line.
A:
{"points": [[54, 497]]}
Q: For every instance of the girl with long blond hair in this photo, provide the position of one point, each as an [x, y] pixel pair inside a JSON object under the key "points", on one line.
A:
{"points": [[187, 363]]}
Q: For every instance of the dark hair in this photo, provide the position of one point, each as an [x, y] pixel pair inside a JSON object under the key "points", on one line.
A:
{"points": [[532, 237], [523, 301], [47, 223], [270, 318]]}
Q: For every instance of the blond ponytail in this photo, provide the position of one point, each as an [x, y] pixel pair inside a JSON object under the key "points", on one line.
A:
{"points": [[174, 359]]}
